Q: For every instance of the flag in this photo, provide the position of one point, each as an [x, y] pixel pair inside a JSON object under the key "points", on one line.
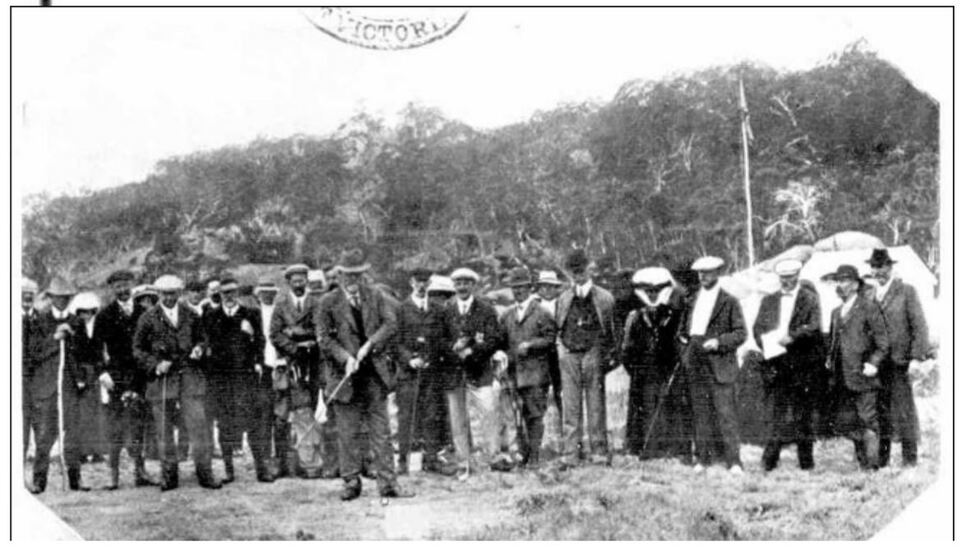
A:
{"points": [[745, 117]]}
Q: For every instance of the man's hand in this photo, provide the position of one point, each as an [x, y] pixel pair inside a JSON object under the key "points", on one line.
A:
{"points": [[460, 345], [81, 385], [106, 381], [711, 345], [501, 359], [785, 340], [417, 363], [247, 328], [163, 367], [869, 370], [351, 366], [63, 330], [196, 352], [364, 351]]}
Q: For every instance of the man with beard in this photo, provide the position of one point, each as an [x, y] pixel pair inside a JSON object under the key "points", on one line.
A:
{"points": [[114, 329], [859, 344], [421, 402], [791, 319], [649, 354], [712, 331], [354, 326], [293, 335], [235, 336], [169, 344], [908, 345], [54, 377]]}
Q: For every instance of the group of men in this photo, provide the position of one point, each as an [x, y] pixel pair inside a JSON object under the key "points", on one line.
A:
{"points": [[319, 365]]}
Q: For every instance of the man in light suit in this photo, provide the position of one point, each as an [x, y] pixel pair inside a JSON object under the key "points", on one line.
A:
{"points": [[792, 378], [712, 331], [908, 342], [859, 344], [355, 326], [586, 347]]}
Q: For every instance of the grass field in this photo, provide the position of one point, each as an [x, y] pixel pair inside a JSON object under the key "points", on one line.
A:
{"points": [[630, 500]]}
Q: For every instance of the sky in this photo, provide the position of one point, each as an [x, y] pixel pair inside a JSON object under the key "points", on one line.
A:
{"points": [[100, 95]]}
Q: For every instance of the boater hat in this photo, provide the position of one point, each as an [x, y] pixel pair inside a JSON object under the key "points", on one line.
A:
{"points": [[707, 263], [86, 301], [28, 285], [439, 283], [549, 278]]}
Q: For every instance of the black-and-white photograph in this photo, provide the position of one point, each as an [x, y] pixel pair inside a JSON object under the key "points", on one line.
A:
{"points": [[480, 273]]}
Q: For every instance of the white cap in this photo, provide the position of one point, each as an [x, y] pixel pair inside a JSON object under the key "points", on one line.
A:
{"points": [[86, 300], [439, 283], [787, 267], [707, 263], [548, 277], [316, 275], [465, 273], [653, 276], [169, 283], [28, 285]]}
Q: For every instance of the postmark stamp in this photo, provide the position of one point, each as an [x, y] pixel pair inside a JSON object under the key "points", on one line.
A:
{"points": [[387, 28]]}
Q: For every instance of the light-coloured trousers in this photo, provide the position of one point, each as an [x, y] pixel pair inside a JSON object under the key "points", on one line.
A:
{"points": [[484, 404], [582, 379]]}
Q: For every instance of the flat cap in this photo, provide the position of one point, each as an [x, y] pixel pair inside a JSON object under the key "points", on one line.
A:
{"points": [[466, 273], [168, 283], [143, 290], [788, 267], [266, 286], [28, 285], [707, 263], [439, 283], [298, 268], [121, 276], [86, 301], [652, 276]]}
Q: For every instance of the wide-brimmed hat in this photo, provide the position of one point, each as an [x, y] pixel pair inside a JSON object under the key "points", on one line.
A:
{"points": [[577, 261], [86, 301], [707, 263], [60, 287], [844, 272], [549, 278], [168, 283], [652, 277], [298, 268], [880, 258], [519, 277], [788, 267], [121, 276], [352, 262]]}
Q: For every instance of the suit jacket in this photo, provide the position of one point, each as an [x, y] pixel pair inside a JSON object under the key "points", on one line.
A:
{"points": [[481, 329], [603, 302], [421, 334], [800, 364], [231, 351], [45, 353], [652, 342], [156, 339], [859, 338], [908, 335], [538, 328], [727, 326], [338, 338], [115, 331]]}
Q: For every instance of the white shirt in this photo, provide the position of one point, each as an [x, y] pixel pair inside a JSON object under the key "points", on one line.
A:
{"points": [[89, 327], [549, 305], [883, 289], [847, 306], [582, 290], [196, 308], [172, 314], [299, 302], [520, 309], [465, 305], [422, 303], [703, 308], [127, 306], [60, 315], [786, 306], [269, 351], [230, 311]]}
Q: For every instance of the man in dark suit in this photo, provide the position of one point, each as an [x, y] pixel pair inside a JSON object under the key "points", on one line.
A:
{"points": [[649, 354], [54, 377], [548, 287], [908, 343], [422, 333], [587, 351], [529, 333], [114, 328], [859, 344], [28, 316], [473, 337], [355, 325], [790, 319], [235, 355], [712, 331], [168, 346]]}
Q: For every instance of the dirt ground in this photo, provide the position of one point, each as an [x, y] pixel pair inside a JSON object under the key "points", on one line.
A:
{"points": [[630, 500]]}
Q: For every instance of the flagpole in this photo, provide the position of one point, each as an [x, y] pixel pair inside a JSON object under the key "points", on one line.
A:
{"points": [[747, 173]]}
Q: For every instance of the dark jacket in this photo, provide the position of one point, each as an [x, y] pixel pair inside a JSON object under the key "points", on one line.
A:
{"points": [[805, 354], [603, 302], [89, 354], [338, 339], [156, 339], [480, 328], [44, 356], [538, 328], [726, 324], [231, 351], [859, 338], [115, 331], [652, 342], [908, 334], [421, 334]]}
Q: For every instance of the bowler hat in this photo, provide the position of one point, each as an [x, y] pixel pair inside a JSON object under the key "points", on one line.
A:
{"points": [[788, 267], [266, 286], [121, 276], [844, 272], [519, 277], [577, 261], [61, 287], [880, 258], [352, 261], [421, 274]]}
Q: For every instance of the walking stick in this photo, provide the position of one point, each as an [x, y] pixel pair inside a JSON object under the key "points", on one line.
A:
{"points": [[60, 415], [660, 400], [337, 389]]}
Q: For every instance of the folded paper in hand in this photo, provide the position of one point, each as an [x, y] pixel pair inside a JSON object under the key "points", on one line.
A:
{"points": [[771, 347]]}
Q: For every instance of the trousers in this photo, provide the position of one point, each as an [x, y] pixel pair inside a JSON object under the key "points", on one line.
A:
{"points": [[367, 406], [582, 382]]}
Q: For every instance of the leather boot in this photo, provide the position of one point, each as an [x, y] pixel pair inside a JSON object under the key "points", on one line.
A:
{"points": [[352, 488], [885, 449], [141, 475], [806, 455], [871, 441], [263, 473], [206, 478], [910, 453], [170, 477], [74, 480], [769, 459], [40, 483], [114, 460], [113, 485]]}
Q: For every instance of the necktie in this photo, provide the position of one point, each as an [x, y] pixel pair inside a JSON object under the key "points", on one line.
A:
{"points": [[354, 302], [299, 306]]}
